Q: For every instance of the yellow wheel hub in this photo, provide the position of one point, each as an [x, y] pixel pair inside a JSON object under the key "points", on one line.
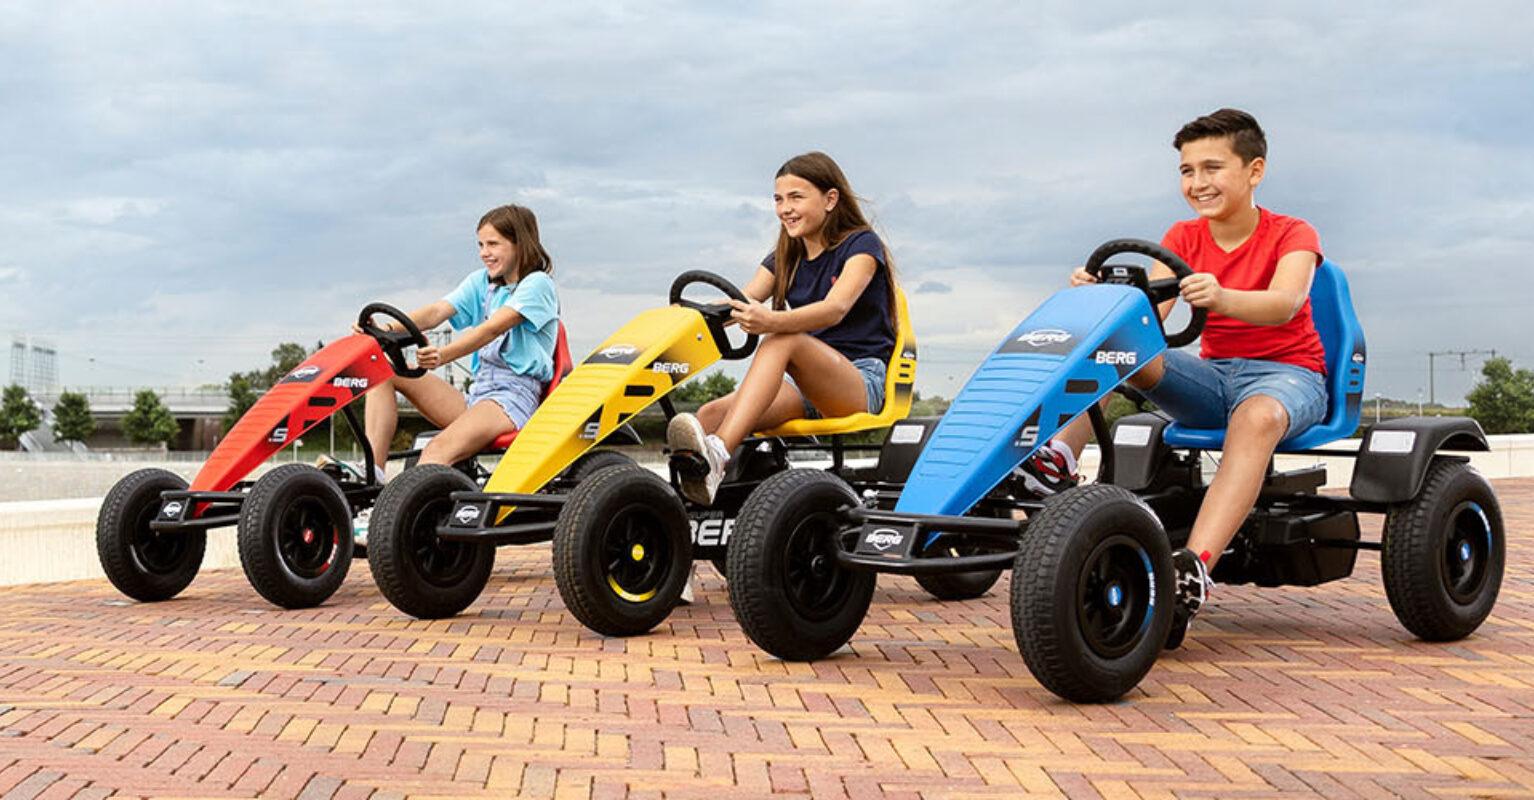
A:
{"points": [[637, 553]]}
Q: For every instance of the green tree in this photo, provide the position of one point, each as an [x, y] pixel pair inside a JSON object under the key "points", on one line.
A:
{"points": [[149, 421], [285, 357], [1503, 400], [241, 397], [702, 391], [18, 415], [72, 420]]}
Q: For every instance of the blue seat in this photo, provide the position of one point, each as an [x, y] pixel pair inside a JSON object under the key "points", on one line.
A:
{"points": [[1331, 307]]}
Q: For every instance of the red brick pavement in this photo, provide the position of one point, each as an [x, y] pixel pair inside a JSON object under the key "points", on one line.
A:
{"points": [[1278, 692]]}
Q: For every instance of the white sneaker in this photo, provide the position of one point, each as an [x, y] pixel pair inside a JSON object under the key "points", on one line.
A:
{"points": [[350, 467], [684, 434]]}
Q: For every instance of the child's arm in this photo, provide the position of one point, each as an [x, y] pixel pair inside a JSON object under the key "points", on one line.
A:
{"points": [[760, 287], [500, 321], [1275, 305], [754, 317]]}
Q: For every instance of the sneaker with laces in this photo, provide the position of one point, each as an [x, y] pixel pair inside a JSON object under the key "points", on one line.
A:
{"points": [[1191, 584], [684, 434], [339, 469], [1050, 470]]}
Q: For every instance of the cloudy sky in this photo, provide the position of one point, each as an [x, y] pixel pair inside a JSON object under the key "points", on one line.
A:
{"points": [[183, 184]]}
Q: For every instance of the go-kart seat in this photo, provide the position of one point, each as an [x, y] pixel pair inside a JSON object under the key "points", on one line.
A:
{"points": [[1331, 307], [898, 383], [563, 363]]}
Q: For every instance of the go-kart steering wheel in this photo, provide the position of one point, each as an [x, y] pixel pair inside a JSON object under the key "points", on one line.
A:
{"points": [[394, 342], [715, 314], [1159, 291]]}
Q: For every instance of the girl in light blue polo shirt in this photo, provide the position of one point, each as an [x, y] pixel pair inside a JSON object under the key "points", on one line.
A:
{"points": [[507, 316]]}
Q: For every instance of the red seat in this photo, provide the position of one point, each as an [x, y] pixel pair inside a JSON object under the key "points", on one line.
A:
{"points": [[563, 363]]}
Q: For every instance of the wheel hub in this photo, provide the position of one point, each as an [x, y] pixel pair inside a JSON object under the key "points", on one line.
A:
{"points": [[637, 553]]}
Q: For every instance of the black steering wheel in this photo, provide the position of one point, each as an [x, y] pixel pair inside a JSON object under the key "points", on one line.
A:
{"points": [[1158, 291], [717, 315], [394, 342]]}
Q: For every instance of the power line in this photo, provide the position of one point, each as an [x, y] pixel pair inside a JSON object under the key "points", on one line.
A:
{"points": [[1462, 355]]}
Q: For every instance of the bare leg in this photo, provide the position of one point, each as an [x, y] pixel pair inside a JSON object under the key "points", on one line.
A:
{"points": [[468, 434], [1255, 429], [432, 396], [825, 377], [787, 405]]}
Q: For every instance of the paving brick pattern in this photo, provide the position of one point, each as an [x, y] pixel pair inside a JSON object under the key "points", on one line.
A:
{"points": [[1278, 692]]}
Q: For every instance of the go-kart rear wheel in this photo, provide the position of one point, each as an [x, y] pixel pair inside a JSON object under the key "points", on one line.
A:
{"points": [[143, 564], [789, 593], [420, 573], [295, 536], [1443, 553], [622, 551], [1092, 593], [960, 585]]}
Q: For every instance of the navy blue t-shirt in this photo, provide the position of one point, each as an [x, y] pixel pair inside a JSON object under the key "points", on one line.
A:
{"points": [[868, 330]]}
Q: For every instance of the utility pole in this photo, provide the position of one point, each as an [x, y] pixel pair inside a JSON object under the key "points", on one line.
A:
{"points": [[1463, 354]]}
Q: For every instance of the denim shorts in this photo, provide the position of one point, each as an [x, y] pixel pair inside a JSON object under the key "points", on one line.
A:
{"points": [[1202, 393], [517, 395], [873, 371]]}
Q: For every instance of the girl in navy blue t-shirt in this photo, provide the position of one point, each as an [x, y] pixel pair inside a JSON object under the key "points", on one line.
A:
{"points": [[822, 303]]}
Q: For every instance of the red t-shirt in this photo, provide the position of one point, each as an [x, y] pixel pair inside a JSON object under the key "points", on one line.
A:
{"points": [[1250, 267]]}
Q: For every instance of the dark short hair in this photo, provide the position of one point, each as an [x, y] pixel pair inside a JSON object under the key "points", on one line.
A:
{"points": [[1246, 136]]}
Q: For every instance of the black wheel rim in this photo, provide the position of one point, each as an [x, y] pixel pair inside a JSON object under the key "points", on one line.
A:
{"points": [[1115, 596], [308, 538], [155, 552], [815, 583], [1467, 553], [439, 562], [636, 553]]}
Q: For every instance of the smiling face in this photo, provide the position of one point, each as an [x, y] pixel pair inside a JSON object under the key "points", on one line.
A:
{"points": [[498, 254], [1215, 182], [801, 207]]}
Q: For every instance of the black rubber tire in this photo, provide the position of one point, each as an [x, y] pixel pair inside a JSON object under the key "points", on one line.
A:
{"points": [[142, 564], [1444, 553], [418, 573], [788, 591], [288, 516], [1084, 543], [622, 551], [959, 585], [595, 461]]}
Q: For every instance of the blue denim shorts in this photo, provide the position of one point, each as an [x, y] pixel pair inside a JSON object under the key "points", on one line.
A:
{"points": [[873, 371], [517, 395], [1202, 393]]}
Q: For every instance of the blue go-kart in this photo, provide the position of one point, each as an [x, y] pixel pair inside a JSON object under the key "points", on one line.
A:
{"points": [[1091, 595]]}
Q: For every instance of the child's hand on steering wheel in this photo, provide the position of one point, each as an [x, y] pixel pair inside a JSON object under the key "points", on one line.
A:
{"points": [[428, 357], [753, 317], [1202, 290], [1080, 277]]}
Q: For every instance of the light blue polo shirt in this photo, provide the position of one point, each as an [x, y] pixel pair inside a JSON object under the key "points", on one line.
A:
{"points": [[528, 348]]}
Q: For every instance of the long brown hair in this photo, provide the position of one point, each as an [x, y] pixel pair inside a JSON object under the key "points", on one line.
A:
{"points": [[845, 219], [520, 227]]}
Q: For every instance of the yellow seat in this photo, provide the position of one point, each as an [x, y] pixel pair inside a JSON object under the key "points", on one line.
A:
{"points": [[899, 382]]}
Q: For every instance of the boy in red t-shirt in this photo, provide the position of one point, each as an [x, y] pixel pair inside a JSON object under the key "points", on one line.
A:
{"points": [[1262, 367]]}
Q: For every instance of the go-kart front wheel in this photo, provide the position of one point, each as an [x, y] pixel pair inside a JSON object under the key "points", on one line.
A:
{"points": [[420, 573], [622, 551], [789, 593], [1443, 553], [295, 536], [1092, 593], [143, 564]]}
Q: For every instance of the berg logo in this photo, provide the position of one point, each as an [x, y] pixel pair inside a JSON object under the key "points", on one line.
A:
{"points": [[303, 373], [1044, 336], [882, 539], [618, 351], [347, 382], [466, 515], [670, 367], [171, 509]]}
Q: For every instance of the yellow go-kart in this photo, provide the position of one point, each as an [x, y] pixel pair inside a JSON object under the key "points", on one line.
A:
{"points": [[625, 538]]}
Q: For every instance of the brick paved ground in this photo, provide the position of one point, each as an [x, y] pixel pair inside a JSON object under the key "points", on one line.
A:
{"points": [[216, 695]]}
